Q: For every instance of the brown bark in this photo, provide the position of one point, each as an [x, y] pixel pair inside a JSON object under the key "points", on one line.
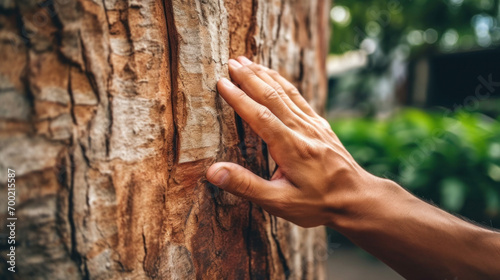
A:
{"points": [[110, 116]]}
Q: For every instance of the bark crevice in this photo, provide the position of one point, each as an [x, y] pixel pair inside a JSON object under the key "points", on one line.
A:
{"points": [[173, 50]]}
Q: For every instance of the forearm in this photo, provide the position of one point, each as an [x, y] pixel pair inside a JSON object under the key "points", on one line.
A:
{"points": [[417, 239]]}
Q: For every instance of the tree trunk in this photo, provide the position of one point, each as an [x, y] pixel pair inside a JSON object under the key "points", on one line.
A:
{"points": [[109, 116]]}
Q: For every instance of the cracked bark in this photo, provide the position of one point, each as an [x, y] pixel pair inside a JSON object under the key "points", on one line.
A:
{"points": [[110, 117]]}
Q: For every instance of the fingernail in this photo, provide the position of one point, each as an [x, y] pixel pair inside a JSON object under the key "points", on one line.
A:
{"points": [[227, 83], [235, 64], [219, 176], [245, 61]]}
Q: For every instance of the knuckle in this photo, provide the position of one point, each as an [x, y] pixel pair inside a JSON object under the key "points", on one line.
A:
{"points": [[281, 91], [295, 92], [264, 114], [312, 131], [323, 123], [293, 123], [272, 73], [261, 72], [307, 150], [278, 89], [289, 88], [269, 93]]}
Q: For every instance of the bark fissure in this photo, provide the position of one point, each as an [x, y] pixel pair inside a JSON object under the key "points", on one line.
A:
{"points": [[251, 45], [173, 50], [241, 135], [301, 65], [145, 247], [282, 257], [71, 98], [248, 240], [110, 127], [218, 107], [280, 14]]}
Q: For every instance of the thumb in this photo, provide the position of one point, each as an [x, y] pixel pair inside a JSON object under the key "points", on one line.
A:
{"points": [[239, 181]]}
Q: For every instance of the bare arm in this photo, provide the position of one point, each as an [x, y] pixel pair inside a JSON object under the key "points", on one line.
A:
{"points": [[420, 241], [319, 183]]}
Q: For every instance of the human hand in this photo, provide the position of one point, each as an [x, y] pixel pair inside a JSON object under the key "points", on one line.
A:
{"points": [[316, 177], [319, 183]]}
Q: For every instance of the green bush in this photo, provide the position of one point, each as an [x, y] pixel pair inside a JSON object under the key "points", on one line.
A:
{"points": [[452, 159]]}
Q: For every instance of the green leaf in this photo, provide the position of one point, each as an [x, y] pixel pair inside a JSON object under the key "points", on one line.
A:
{"points": [[494, 172], [452, 194]]}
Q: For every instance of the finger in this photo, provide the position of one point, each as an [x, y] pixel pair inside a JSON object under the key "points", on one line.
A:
{"points": [[261, 72], [260, 118], [292, 92], [260, 91], [242, 182]]}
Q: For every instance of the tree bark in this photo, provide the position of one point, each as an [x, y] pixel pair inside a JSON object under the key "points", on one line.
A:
{"points": [[109, 116]]}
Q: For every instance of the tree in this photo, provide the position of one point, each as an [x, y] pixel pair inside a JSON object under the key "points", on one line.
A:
{"points": [[110, 117]]}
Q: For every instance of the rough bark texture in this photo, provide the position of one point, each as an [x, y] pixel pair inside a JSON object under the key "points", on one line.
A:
{"points": [[110, 116]]}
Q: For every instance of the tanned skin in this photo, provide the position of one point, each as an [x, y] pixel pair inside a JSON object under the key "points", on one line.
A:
{"points": [[319, 183]]}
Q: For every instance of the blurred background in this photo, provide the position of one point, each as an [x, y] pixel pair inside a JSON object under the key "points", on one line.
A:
{"points": [[414, 95]]}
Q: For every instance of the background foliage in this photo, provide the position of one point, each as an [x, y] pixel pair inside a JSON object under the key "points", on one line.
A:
{"points": [[452, 159], [423, 25], [396, 33]]}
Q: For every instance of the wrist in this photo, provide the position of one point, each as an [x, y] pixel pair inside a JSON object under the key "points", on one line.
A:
{"points": [[375, 201]]}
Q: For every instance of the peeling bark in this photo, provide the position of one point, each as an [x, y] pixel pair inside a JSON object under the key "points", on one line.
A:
{"points": [[109, 114]]}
